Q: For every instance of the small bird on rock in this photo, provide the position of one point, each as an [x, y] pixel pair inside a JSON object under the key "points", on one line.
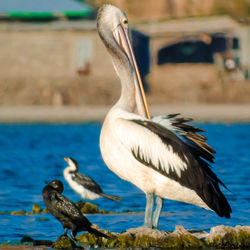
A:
{"points": [[82, 184], [66, 211]]}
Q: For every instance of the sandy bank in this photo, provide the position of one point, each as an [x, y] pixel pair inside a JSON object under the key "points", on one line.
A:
{"points": [[64, 114]]}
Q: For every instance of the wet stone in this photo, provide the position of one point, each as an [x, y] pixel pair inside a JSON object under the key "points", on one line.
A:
{"points": [[220, 237], [21, 212], [64, 242], [88, 208], [230, 238], [27, 239], [36, 209]]}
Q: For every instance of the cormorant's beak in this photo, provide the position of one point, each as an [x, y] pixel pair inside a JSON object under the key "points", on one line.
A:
{"points": [[121, 36], [66, 159]]}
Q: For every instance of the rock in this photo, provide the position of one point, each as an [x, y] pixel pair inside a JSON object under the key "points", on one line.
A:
{"points": [[80, 204], [89, 208], [242, 228], [219, 231], [145, 238], [64, 242], [219, 237], [229, 237], [21, 212], [142, 231], [85, 207], [36, 209], [102, 211], [42, 243], [91, 241], [26, 239], [45, 210], [180, 230]]}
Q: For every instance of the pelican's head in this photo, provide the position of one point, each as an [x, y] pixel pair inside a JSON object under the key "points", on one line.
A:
{"points": [[73, 164], [112, 26]]}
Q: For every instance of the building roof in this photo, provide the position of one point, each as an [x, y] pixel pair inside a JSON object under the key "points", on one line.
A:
{"points": [[189, 26], [43, 8]]}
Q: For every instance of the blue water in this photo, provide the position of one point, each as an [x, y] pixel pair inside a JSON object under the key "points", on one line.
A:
{"points": [[33, 154]]}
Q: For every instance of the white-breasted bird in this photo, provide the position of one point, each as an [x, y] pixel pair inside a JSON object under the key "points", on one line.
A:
{"points": [[164, 156], [82, 184]]}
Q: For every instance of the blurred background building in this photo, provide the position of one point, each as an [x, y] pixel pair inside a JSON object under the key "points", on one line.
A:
{"points": [[188, 51]]}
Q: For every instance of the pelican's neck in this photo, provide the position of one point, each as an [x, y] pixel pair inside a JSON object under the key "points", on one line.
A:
{"points": [[127, 99]]}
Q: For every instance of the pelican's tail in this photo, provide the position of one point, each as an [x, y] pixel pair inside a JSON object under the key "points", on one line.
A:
{"points": [[111, 197]]}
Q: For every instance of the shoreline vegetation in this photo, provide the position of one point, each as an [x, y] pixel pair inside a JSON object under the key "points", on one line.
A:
{"points": [[221, 113], [219, 237]]}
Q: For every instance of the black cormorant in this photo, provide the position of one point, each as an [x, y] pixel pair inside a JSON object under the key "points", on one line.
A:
{"points": [[66, 211]]}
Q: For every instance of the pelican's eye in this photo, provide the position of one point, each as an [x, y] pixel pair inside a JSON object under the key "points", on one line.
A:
{"points": [[125, 21]]}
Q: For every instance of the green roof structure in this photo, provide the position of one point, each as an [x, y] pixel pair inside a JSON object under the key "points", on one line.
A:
{"points": [[43, 9]]}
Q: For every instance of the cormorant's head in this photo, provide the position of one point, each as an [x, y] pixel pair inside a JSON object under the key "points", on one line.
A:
{"points": [[73, 164], [57, 185]]}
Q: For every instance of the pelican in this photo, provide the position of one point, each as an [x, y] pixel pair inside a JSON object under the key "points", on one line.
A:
{"points": [[164, 156]]}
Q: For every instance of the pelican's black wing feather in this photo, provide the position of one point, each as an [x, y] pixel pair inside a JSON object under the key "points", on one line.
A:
{"points": [[188, 134], [197, 176]]}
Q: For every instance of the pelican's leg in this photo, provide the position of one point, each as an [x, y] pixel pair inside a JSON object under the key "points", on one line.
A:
{"points": [[149, 211], [157, 212]]}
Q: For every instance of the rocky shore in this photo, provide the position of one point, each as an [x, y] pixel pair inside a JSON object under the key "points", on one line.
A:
{"points": [[219, 237]]}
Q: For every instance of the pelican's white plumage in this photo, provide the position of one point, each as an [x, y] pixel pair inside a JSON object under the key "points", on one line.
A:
{"points": [[151, 146], [126, 136], [162, 156]]}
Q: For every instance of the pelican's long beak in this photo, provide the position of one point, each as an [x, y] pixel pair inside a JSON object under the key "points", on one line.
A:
{"points": [[121, 36], [66, 159]]}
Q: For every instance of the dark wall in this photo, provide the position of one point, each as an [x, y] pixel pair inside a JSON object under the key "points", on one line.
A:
{"points": [[196, 51], [186, 52], [140, 43]]}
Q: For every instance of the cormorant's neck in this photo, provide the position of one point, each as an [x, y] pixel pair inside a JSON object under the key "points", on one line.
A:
{"points": [[46, 190], [126, 75], [70, 169]]}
